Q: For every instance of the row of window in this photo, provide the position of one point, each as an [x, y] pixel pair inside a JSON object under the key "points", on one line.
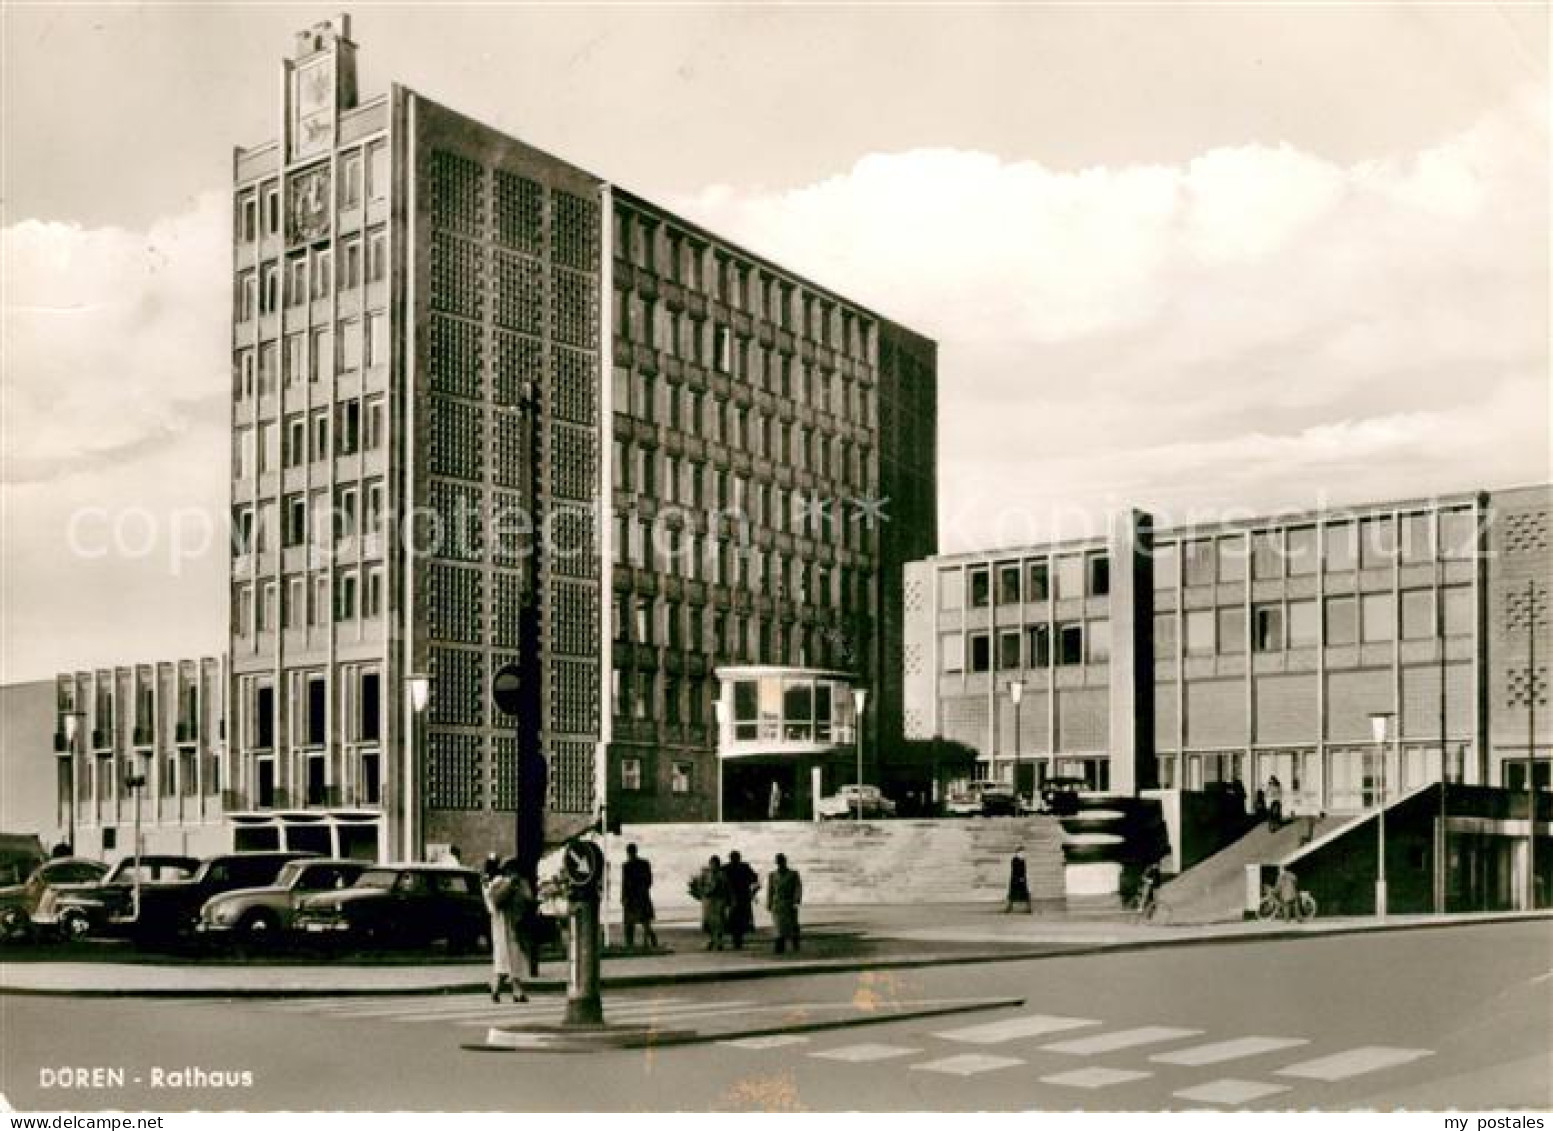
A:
{"points": [[355, 426], [685, 259], [731, 637], [695, 485], [311, 275], [1032, 647], [310, 357], [307, 707], [722, 561], [741, 427], [1012, 583], [681, 775], [264, 606], [299, 519], [1275, 626], [712, 345], [149, 709], [649, 695], [363, 175], [1268, 555], [177, 773]]}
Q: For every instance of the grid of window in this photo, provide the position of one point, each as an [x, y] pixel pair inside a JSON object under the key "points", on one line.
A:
{"points": [[575, 314], [576, 231], [457, 440], [456, 612], [457, 193], [456, 357], [457, 276], [520, 212], [458, 679], [459, 528], [571, 777], [520, 293], [454, 774]]}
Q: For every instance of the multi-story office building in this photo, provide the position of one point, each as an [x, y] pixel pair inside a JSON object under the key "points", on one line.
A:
{"points": [[146, 739], [1252, 648], [490, 409]]}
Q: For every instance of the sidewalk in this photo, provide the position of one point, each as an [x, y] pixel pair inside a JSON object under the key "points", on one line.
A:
{"points": [[836, 939]]}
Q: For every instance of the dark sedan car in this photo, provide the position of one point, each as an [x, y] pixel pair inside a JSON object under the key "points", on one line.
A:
{"points": [[169, 911], [400, 905], [74, 911]]}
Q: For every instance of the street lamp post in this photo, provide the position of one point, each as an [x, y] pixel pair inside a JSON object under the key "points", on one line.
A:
{"points": [[72, 736], [720, 713], [1016, 692], [137, 783], [1379, 722], [417, 686], [859, 702]]}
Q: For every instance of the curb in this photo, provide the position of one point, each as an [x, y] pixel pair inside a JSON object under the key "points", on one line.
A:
{"points": [[630, 1037], [647, 979]]}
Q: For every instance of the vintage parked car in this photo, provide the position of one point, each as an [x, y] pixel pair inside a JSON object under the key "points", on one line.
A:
{"points": [[982, 798], [18, 902], [74, 911], [400, 905], [258, 916], [1060, 795], [169, 911], [849, 800]]}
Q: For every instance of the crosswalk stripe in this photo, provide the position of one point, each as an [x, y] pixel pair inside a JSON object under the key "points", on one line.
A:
{"points": [[996, 1032], [1229, 1091], [1353, 1062], [864, 1053], [1220, 1051], [967, 1064], [775, 1041], [1094, 1077], [1124, 1039]]}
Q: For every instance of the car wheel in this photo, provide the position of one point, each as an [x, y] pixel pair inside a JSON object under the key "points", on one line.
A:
{"points": [[259, 928], [14, 925], [74, 924]]}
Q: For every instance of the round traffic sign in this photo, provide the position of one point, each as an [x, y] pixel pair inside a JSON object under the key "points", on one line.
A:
{"points": [[584, 864], [506, 688]]}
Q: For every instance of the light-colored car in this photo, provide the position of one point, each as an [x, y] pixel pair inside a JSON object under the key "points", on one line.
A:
{"points": [[850, 799], [262, 915], [982, 797], [18, 902]]}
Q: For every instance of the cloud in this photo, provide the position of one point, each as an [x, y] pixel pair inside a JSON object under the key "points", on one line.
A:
{"points": [[1258, 317]]}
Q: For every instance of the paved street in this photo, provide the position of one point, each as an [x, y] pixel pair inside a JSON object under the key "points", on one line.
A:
{"points": [[1457, 1017]]}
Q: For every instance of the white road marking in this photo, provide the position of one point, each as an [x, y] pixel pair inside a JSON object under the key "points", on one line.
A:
{"points": [[864, 1053], [996, 1032], [1229, 1091], [967, 1064], [1094, 1077], [1220, 1051], [1354, 1062], [1125, 1039], [775, 1041]]}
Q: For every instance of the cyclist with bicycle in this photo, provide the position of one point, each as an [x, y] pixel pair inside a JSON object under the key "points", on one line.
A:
{"points": [[1287, 891]]}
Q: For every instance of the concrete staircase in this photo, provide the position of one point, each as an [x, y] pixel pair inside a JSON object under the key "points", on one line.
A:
{"points": [[856, 862], [1214, 890]]}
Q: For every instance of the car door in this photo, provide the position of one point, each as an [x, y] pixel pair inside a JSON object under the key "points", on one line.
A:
{"points": [[407, 912]]}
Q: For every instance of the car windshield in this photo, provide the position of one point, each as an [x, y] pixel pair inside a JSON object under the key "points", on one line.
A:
{"points": [[288, 875], [377, 878]]}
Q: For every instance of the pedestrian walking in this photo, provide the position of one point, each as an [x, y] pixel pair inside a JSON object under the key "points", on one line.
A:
{"points": [[1274, 804], [509, 898], [743, 883], [784, 894], [1287, 891], [1018, 883], [774, 806], [636, 899], [711, 887]]}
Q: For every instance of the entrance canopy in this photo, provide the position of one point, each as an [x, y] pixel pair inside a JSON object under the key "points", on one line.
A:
{"points": [[783, 712]]}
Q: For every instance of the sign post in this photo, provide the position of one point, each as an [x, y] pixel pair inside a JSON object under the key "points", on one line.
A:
{"points": [[517, 698], [584, 868]]}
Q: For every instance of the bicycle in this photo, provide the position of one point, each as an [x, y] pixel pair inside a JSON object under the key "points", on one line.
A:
{"points": [[1271, 907], [1148, 907]]}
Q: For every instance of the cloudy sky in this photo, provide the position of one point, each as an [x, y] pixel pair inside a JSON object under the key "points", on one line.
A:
{"points": [[1203, 260]]}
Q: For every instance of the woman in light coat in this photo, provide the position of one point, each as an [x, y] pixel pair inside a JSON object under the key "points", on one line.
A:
{"points": [[509, 898]]}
